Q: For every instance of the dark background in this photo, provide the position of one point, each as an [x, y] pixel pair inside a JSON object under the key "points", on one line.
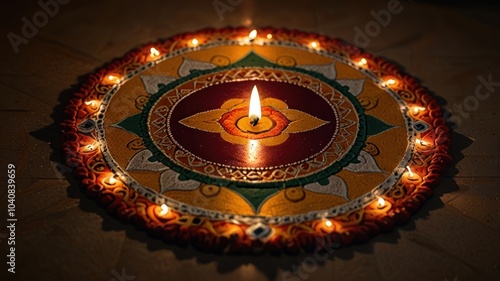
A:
{"points": [[61, 235]]}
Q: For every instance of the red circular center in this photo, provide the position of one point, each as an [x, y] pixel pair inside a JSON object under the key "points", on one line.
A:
{"points": [[211, 147]]}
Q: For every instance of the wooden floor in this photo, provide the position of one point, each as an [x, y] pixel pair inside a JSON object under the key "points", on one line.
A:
{"points": [[62, 235]]}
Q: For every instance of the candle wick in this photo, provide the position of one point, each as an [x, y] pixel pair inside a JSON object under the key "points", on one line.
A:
{"points": [[254, 121]]}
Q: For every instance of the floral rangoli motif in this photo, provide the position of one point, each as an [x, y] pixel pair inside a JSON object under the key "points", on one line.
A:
{"points": [[232, 123]]}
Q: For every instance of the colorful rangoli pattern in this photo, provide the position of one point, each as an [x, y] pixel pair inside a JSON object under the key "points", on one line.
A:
{"points": [[347, 145]]}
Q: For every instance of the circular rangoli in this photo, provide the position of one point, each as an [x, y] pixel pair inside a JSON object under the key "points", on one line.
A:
{"points": [[282, 142]]}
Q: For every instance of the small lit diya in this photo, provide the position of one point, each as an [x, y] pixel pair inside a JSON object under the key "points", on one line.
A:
{"points": [[244, 141]]}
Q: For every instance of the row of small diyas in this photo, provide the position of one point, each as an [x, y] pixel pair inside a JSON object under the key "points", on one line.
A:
{"points": [[112, 180], [408, 177], [155, 54], [415, 110]]}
